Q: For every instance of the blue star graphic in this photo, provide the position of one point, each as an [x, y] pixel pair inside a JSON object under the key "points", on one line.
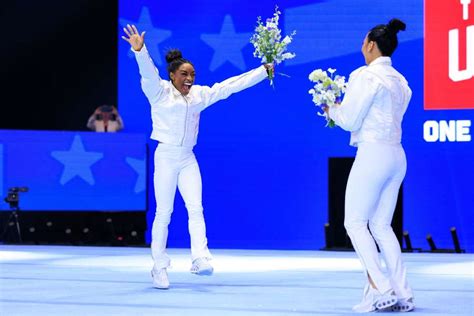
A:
{"points": [[77, 162], [139, 165], [227, 45], [153, 35]]}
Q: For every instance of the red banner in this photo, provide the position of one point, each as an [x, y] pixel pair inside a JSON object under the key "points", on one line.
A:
{"points": [[449, 54]]}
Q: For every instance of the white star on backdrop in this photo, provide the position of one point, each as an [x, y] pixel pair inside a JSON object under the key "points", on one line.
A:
{"points": [[227, 45], [139, 165], [153, 35], [77, 162]]}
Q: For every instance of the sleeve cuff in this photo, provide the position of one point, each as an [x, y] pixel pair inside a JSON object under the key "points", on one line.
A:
{"points": [[139, 52], [262, 72], [330, 112]]}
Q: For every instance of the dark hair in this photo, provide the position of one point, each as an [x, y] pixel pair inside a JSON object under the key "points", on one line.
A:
{"points": [[175, 59], [106, 108], [385, 35]]}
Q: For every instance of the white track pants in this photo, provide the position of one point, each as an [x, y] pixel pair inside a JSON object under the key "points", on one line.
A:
{"points": [[176, 167], [371, 197]]}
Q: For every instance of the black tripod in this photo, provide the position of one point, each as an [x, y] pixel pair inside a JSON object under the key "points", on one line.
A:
{"points": [[13, 199], [12, 219]]}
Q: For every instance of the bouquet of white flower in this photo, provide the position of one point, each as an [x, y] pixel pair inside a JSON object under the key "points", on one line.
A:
{"points": [[269, 46], [327, 90]]}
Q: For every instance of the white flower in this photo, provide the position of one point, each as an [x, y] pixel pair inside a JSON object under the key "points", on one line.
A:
{"points": [[318, 75], [330, 97], [287, 40], [327, 90], [271, 25], [288, 56], [340, 83], [268, 43]]}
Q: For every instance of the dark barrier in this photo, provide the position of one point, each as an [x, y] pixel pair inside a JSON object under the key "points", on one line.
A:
{"points": [[336, 236], [75, 228]]}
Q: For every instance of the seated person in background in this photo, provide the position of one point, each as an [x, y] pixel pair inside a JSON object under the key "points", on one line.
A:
{"points": [[105, 119]]}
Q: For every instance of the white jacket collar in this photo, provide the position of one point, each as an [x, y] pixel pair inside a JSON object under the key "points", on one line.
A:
{"points": [[177, 93], [385, 60]]}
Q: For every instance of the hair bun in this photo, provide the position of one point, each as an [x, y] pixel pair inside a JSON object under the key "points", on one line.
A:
{"points": [[395, 25], [173, 54]]}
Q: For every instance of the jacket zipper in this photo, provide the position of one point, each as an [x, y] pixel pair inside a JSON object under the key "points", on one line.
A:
{"points": [[185, 120]]}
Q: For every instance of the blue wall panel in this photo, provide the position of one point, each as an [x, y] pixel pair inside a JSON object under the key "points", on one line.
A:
{"points": [[263, 152], [68, 171]]}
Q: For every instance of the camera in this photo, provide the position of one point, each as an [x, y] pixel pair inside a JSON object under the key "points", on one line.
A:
{"points": [[13, 196], [106, 113]]}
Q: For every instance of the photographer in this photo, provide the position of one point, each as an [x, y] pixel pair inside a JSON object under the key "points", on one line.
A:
{"points": [[105, 119]]}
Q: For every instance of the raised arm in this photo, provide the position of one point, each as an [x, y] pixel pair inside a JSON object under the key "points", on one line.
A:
{"points": [[152, 84], [224, 89]]}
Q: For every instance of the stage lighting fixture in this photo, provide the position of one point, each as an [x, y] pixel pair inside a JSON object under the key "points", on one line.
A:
{"points": [[69, 236], [113, 239], [430, 240], [87, 236], [457, 245], [327, 229], [406, 237]]}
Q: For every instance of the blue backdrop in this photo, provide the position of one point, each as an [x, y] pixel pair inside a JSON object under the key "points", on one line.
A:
{"points": [[263, 152], [74, 171]]}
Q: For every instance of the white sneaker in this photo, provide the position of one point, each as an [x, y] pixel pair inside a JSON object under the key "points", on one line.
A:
{"points": [[367, 303], [201, 266], [374, 300], [160, 279], [386, 300], [404, 305]]}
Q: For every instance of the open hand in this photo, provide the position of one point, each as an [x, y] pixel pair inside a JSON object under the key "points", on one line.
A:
{"points": [[134, 38]]}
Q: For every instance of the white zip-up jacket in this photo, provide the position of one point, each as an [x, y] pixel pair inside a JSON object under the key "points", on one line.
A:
{"points": [[175, 116], [375, 101]]}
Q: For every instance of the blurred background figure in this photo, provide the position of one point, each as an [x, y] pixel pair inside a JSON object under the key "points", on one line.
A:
{"points": [[105, 119]]}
